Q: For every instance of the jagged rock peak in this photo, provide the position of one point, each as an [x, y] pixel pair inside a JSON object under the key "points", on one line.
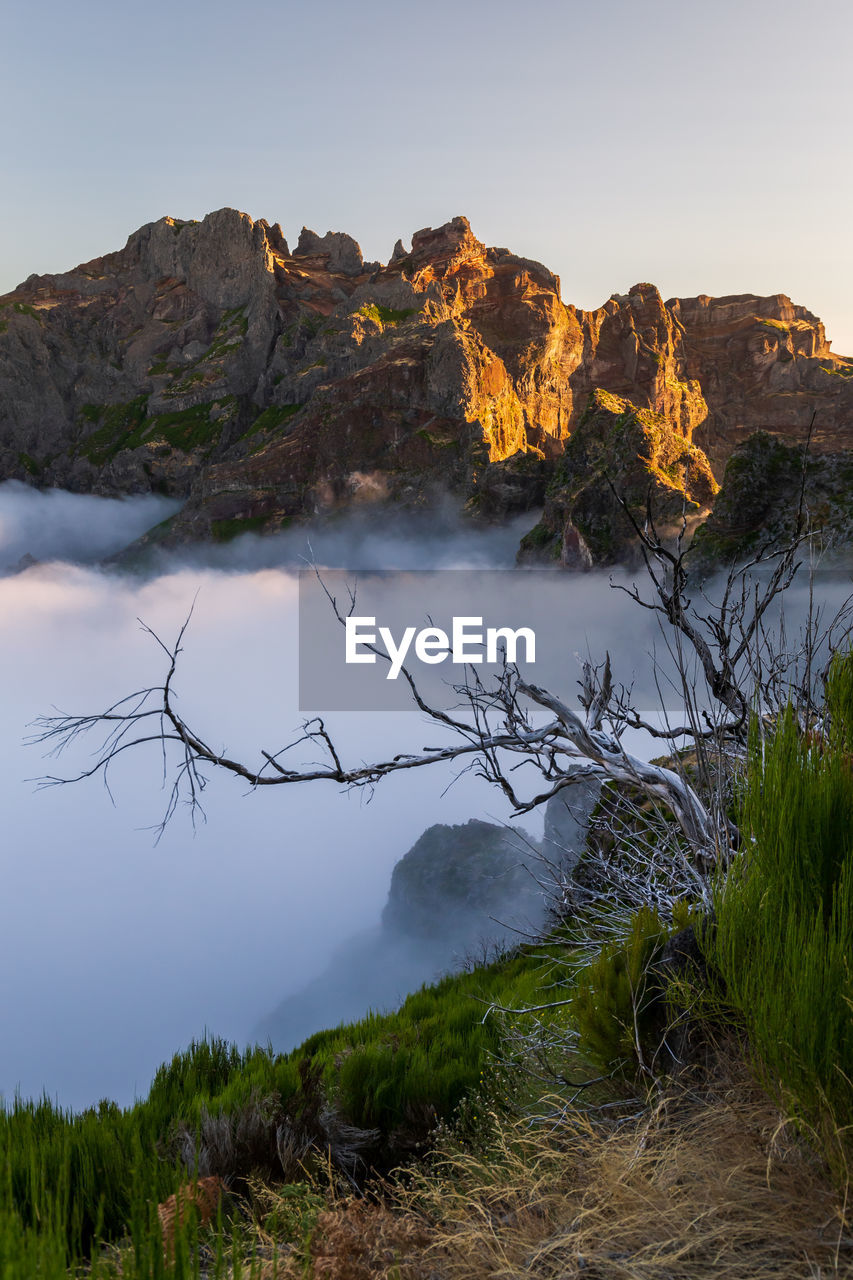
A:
{"points": [[275, 235], [343, 253], [207, 361], [745, 308], [617, 447], [447, 245]]}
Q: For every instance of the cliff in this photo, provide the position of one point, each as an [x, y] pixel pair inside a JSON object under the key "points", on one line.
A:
{"points": [[759, 501], [261, 384], [619, 454], [764, 364]]}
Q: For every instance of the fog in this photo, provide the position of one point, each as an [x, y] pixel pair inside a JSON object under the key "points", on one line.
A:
{"points": [[117, 950], [49, 522]]}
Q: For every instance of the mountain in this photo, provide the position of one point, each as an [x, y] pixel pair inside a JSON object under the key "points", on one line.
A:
{"points": [[208, 361]]}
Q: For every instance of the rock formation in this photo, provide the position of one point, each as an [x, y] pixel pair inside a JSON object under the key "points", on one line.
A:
{"points": [[764, 364], [618, 453], [759, 500], [457, 891], [208, 361], [460, 881]]}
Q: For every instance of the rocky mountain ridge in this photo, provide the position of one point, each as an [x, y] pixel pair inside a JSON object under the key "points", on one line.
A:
{"points": [[262, 385]]}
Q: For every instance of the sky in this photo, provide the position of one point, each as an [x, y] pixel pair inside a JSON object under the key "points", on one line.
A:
{"points": [[701, 147]]}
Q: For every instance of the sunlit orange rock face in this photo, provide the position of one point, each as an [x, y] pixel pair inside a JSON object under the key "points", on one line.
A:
{"points": [[764, 364], [262, 384]]}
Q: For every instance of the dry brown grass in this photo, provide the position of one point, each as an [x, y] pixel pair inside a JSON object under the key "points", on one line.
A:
{"points": [[699, 1186], [202, 1197], [358, 1240], [362, 1241]]}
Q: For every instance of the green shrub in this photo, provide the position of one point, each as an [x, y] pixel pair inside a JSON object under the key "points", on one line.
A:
{"points": [[385, 315], [226, 530], [30, 464], [127, 426], [615, 1004], [273, 417]]}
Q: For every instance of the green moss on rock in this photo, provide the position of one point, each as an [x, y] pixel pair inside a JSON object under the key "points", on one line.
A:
{"points": [[273, 418], [129, 426], [30, 465], [226, 530], [115, 426], [386, 315]]}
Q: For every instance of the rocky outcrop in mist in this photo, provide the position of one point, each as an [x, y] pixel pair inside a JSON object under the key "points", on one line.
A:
{"points": [[464, 890], [260, 385]]}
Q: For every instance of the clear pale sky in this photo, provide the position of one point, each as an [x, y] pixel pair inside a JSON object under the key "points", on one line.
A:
{"points": [[704, 147]]}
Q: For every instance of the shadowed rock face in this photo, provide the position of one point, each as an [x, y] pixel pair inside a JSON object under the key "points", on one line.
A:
{"points": [[760, 498], [462, 882], [460, 891], [208, 361]]}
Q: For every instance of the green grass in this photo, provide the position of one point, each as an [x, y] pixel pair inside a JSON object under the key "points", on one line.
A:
{"points": [[225, 530], [114, 425], [67, 1181], [430, 1053], [614, 1002], [310, 324], [273, 417], [128, 425], [386, 315], [22, 309], [439, 441], [30, 464], [178, 225], [539, 536], [187, 429], [782, 944], [233, 326]]}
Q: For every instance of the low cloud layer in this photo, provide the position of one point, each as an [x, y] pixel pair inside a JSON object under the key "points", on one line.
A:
{"points": [[51, 524]]}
